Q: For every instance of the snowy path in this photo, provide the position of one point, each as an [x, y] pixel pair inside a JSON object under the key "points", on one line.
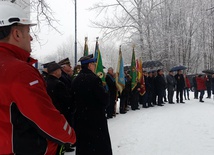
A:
{"points": [[174, 129]]}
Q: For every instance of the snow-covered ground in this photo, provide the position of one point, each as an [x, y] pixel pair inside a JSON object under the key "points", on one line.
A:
{"points": [[174, 129]]}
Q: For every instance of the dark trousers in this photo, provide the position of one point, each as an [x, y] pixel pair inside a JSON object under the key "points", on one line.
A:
{"points": [[154, 98], [160, 97], [110, 109], [144, 99], [208, 92], [134, 100], [149, 98], [170, 95], [123, 103], [201, 94], [179, 92], [186, 93], [195, 93]]}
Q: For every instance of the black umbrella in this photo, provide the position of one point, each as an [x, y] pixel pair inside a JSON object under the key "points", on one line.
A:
{"points": [[177, 68], [208, 71], [152, 63]]}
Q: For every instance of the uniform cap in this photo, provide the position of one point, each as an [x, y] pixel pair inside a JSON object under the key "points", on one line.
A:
{"points": [[64, 61], [52, 67], [45, 65], [87, 59]]}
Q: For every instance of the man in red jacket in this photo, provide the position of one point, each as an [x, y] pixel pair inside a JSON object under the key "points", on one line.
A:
{"points": [[29, 123], [201, 86]]}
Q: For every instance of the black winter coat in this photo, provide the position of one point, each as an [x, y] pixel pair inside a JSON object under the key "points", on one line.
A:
{"points": [[160, 84], [90, 120], [60, 96], [180, 83], [110, 81]]}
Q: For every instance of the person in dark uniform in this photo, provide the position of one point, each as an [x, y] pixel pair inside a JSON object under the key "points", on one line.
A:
{"points": [[150, 89], [127, 88], [154, 94], [134, 99], [195, 86], [45, 71], [160, 86], [91, 100], [67, 73], [60, 96], [170, 79], [208, 85], [212, 79], [112, 89], [180, 84]]}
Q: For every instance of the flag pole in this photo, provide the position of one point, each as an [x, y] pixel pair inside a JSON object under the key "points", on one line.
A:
{"points": [[75, 44]]}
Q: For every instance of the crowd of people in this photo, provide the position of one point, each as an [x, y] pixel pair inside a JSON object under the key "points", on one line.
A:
{"points": [[53, 111]]}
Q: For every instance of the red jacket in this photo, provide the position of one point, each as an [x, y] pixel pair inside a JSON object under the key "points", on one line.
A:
{"points": [[29, 122], [187, 82], [201, 83]]}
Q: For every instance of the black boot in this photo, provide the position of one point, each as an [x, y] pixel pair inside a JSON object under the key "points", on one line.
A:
{"points": [[200, 100]]}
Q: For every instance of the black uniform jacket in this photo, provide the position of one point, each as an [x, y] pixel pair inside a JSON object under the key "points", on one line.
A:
{"points": [[90, 121], [60, 96]]}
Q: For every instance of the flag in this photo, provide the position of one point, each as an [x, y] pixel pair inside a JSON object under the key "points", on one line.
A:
{"points": [[120, 77], [133, 73], [96, 48], [99, 66], [86, 47], [141, 77]]}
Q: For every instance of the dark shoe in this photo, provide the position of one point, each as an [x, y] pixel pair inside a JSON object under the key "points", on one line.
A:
{"points": [[182, 102], [109, 117], [144, 107], [137, 108], [171, 102], [201, 100], [160, 105], [122, 112], [150, 106], [188, 99]]}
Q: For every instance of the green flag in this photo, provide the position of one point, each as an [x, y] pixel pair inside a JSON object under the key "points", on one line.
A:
{"points": [[133, 73], [99, 67], [86, 47]]}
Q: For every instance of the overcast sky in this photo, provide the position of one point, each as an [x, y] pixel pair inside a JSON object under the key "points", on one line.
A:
{"points": [[65, 13]]}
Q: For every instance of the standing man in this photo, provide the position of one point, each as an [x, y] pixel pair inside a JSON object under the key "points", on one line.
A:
{"points": [[208, 79], [170, 86], [90, 121], [29, 122], [201, 86], [160, 85], [112, 89], [67, 73], [45, 71], [180, 84], [60, 96], [195, 86]]}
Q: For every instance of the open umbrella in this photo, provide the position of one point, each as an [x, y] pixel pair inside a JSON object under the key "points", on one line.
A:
{"points": [[177, 68], [152, 63], [208, 71]]}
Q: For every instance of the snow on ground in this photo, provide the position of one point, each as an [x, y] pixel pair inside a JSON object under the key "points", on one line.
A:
{"points": [[174, 129]]}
